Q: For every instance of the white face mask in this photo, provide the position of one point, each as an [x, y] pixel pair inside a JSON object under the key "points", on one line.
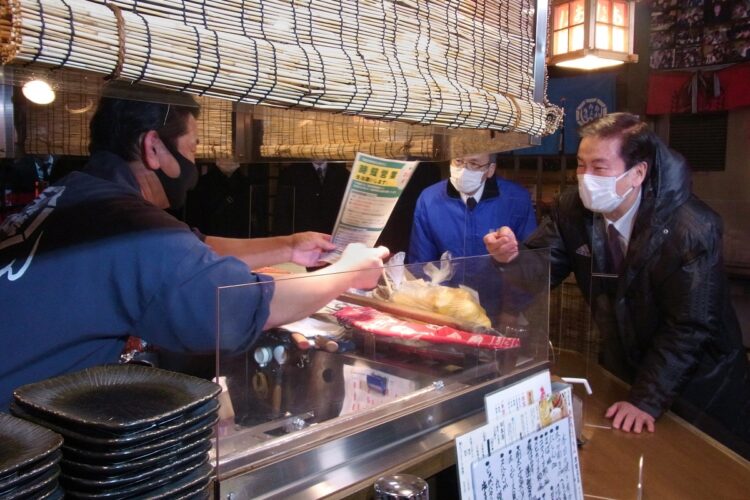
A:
{"points": [[599, 193], [466, 181]]}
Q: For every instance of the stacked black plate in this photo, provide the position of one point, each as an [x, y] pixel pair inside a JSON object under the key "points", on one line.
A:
{"points": [[29, 460], [129, 430]]}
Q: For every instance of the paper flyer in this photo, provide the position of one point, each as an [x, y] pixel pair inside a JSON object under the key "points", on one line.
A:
{"points": [[367, 388], [374, 187], [483, 441]]}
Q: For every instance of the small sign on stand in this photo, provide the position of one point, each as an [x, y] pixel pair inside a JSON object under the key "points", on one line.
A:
{"points": [[528, 447]]}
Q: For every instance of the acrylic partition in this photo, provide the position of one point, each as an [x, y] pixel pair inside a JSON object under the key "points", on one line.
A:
{"points": [[428, 334]]}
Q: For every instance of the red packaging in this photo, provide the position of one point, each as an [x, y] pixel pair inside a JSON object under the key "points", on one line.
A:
{"points": [[379, 323]]}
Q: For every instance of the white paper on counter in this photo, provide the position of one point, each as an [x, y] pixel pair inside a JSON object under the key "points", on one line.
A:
{"points": [[358, 395]]}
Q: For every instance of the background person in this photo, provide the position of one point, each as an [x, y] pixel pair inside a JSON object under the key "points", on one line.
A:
{"points": [[308, 197], [456, 213]]}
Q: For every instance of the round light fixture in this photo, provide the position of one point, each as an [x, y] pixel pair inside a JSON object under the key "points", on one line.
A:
{"points": [[38, 91]]}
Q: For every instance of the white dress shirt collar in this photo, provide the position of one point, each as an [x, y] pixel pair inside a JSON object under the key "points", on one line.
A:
{"points": [[624, 224], [477, 195]]}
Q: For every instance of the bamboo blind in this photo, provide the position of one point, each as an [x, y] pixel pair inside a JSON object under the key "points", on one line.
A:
{"points": [[311, 134], [454, 63], [62, 128], [215, 129]]}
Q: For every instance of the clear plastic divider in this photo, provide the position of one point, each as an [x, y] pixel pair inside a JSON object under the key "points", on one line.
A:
{"points": [[428, 332]]}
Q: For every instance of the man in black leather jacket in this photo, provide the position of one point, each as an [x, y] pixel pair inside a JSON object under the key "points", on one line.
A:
{"points": [[662, 305]]}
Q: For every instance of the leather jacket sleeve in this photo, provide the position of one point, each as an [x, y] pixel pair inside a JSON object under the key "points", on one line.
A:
{"points": [[689, 303], [548, 235]]}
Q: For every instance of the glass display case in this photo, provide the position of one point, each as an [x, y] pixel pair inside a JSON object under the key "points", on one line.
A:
{"points": [[373, 379]]}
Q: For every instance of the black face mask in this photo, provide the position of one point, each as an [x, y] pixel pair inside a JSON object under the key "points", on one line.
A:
{"points": [[176, 188]]}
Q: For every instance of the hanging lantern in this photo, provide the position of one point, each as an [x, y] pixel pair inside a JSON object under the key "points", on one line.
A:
{"points": [[591, 34]]}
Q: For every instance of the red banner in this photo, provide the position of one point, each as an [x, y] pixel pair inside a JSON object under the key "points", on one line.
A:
{"points": [[696, 91]]}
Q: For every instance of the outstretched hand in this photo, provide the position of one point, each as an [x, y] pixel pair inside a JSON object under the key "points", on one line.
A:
{"points": [[502, 244], [308, 246], [626, 417], [364, 265]]}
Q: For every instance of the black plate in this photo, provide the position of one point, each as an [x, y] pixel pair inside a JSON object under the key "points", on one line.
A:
{"points": [[126, 440], [44, 485], [105, 435], [30, 473], [23, 444], [84, 469], [57, 494], [189, 487], [97, 483], [200, 492], [143, 489], [138, 449], [104, 457], [118, 398]]}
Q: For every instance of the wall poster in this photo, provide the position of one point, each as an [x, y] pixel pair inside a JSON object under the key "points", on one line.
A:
{"points": [[691, 33]]}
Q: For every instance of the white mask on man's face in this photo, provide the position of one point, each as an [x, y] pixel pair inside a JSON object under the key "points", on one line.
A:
{"points": [[466, 181], [599, 193]]}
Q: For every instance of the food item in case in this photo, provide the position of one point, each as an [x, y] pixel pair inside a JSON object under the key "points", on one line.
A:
{"points": [[381, 324], [459, 303]]}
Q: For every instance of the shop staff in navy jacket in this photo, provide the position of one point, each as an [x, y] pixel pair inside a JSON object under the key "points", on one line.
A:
{"points": [[95, 258]]}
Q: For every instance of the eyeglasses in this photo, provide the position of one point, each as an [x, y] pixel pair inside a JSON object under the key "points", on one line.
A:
{"points": [[470, 165]]}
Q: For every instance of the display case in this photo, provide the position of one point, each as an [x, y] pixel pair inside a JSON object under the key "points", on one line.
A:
{"points": [[373, 379]]}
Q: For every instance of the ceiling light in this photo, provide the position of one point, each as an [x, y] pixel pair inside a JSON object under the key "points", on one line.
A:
{"points": [[38, 91]]}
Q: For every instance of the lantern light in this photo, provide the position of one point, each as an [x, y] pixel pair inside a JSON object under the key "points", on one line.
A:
{"points": [[591, 34]]}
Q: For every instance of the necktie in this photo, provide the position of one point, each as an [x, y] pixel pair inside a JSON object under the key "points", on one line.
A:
{"points": [[321, 174], [614, 249], [471, 203]]}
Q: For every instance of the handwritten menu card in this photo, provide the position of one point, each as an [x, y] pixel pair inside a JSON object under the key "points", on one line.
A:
{"points": [[540, 465], [512, 412]]}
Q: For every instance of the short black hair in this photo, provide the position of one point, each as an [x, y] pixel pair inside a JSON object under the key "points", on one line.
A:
{"points": [[637, 141], [126, 111]]}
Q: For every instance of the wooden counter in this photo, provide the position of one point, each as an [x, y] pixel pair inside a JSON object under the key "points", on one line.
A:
{"points": [[679, 461]]}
